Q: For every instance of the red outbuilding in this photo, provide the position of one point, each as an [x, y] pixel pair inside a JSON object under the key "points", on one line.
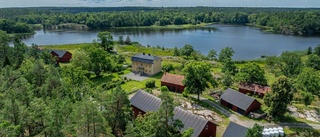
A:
{"points": [[173, 82], [143, 102], [239, 102], [62, 55], [255, 89]]}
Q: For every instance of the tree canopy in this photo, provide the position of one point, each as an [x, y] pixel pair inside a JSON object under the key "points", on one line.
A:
{"points": [[198, 77], [279, 98], [225, 54], [252, 73], [186, 50]]}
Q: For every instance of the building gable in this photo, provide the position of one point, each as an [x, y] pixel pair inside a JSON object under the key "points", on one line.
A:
{"points": [[237, 99]]}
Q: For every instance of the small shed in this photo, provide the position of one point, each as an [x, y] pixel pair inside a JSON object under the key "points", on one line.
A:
{"points": [[235, 130], [173, 82], [239, 102], [62, 55], [252, 88], [143, 102]]}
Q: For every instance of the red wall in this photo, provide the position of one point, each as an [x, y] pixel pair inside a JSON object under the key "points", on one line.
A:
{"points": [[253, 107], [173, 87], [66, 57], [137, 111], [210, 132]]}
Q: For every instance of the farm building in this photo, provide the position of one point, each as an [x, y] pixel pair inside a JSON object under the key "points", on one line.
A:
{"points": [[255, 89], [143, 102], [62, 55], [173, 82], [239, 102], [146, 64], [235, 130]]}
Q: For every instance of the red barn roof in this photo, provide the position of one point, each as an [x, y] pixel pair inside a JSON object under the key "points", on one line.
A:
{"points": [[255, 87], [172, 78]]}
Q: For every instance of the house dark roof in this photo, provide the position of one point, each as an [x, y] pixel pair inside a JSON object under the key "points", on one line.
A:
{"points": [[60, 53], [190, 121], [254, 87], [145, 58], [172, 78], [145, 101], [235, 130], [237, 99], [148, 102]]}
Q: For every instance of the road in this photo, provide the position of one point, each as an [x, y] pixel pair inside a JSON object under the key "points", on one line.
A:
{"points": [[249, 123]]}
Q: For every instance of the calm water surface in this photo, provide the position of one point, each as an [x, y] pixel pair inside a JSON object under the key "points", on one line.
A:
{"points": [[247, 42]]}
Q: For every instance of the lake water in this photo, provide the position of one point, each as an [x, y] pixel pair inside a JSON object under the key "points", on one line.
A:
{"points": [[247, 42]]}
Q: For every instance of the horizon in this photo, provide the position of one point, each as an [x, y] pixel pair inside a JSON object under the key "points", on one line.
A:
{"points": [[162, 3]]}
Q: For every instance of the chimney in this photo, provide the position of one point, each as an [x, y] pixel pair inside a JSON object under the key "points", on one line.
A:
{"points": [[143, 53], [149, 54]]}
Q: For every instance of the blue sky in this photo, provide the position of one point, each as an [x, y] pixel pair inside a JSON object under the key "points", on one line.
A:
{"points": [[158, 3]]}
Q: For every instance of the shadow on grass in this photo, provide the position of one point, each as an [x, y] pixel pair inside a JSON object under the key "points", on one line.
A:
{"points": [[157, 76], [103, 79]]}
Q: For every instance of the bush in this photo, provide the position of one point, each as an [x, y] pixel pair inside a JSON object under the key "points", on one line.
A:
{"points": [[148, 90], [164, 88], [185, 93], [150, 84]]}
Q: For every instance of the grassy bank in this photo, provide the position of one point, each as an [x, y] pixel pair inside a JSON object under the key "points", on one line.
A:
{"points": [[183, 26]]}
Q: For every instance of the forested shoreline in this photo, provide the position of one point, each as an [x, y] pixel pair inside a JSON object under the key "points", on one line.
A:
{"points": [[293, 21]]}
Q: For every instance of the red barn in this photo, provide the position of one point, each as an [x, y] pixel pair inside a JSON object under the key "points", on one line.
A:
{"points": [[143, 102], [239, 102], [254, 89], [173, 82], [62, 55]]}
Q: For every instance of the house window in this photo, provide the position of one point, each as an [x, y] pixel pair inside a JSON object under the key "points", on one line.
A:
{"points": [[206, 127]]}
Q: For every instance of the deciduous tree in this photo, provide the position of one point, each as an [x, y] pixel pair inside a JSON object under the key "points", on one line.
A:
{"points": [[106, 40], [212, 54], [278, 99], [313, 61], [225, 53], [198, 77], [255, 131], [309, 81], [252, 73], [186, 50], [291, 64]]}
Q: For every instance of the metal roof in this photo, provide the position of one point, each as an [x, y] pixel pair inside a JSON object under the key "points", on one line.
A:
{"points": [[237, 99], [145, 58], [60, 53], [148, 102], [145, 101], [235, 130], [190, 121]]}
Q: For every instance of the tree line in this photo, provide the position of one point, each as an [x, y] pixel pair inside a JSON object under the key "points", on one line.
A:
{"points": [[278, 20]]}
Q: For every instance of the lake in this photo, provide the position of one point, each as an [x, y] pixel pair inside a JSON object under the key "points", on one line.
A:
{"points": [[247, 42]]}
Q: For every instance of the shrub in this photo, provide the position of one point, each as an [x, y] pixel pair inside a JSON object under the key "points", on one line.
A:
{"points": [[185, 93], [148, 90], [164, 88], [150, 84]]}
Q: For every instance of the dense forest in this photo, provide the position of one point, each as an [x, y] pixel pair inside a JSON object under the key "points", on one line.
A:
{"points": [[278, 20]]}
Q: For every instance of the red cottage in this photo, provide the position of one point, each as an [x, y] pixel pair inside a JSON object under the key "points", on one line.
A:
{"points": [[143, 102], [173, 82], [239, 102], [62, 55], [254, 89]]}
